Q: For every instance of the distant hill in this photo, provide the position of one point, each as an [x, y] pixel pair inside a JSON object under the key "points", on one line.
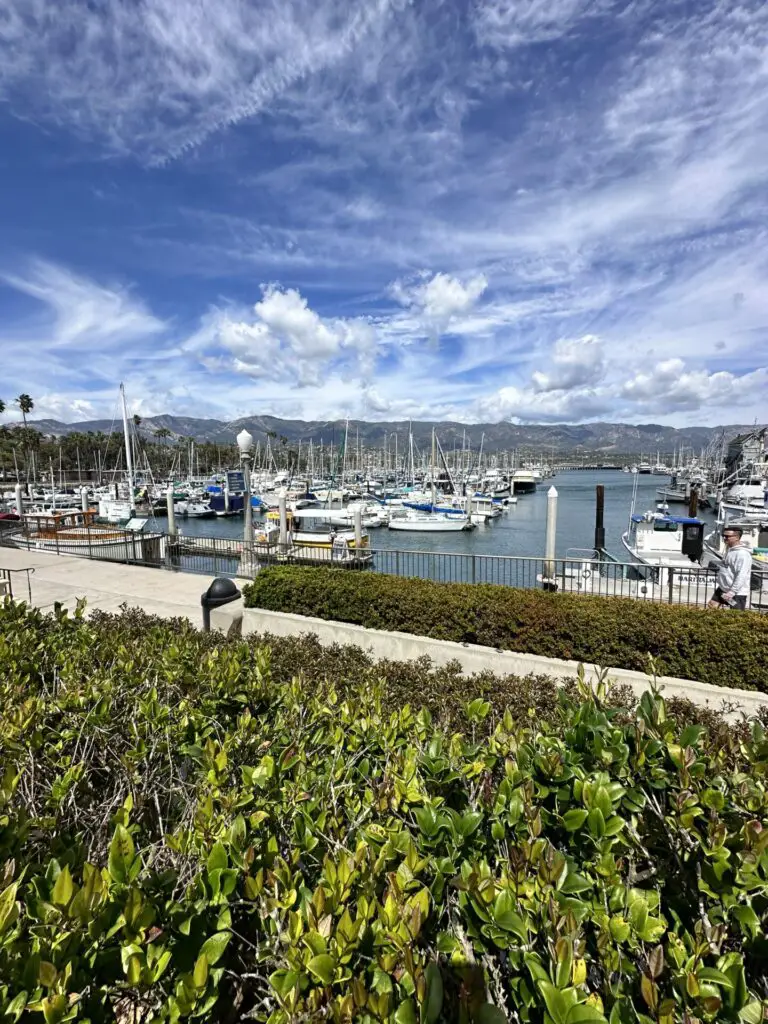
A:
{"points": [[598, 438]]}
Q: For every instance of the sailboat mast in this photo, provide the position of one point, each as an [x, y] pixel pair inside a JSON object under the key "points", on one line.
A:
{"points": [[127, 439], [432, 474]]}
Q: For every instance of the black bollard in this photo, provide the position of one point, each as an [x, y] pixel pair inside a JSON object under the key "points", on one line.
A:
{"points": [[222, 591], [599, 522]]}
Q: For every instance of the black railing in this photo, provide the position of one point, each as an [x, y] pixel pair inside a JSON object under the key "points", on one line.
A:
{"points": [[7, 579], [588, 573]]}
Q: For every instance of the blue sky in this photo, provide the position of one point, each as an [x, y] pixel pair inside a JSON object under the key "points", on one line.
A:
{"points": [[537, 210]]}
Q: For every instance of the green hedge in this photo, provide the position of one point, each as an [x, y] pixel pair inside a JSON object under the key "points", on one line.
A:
{"points": [[724, 648], [186, 836]]}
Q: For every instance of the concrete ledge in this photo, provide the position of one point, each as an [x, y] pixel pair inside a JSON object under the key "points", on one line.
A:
{"points": [[474, 658], [228, 618]]}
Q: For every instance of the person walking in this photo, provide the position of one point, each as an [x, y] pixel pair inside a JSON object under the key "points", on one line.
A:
{"points": [[732, 589]]}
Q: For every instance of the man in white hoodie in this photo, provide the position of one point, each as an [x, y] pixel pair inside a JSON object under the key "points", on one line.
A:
{"points": [[732, 590]]}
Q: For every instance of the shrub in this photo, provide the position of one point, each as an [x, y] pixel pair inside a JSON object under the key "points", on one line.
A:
{"points": [[727, 649], [182, 835]]}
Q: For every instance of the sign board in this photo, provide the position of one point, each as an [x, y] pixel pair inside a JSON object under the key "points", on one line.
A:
{"points": [[235, 481]]}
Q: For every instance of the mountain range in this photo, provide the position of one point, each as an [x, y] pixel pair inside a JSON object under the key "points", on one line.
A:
{"points": [[606, 438]]}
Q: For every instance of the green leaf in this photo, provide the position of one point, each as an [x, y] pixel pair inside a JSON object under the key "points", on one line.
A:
{"points": [[237, 832], [427, 819], [710, 974], [746, 917], [564, 951], [283, 981], [214, 946], [382, 983], [62, 891], [322, 967], [752, 1013], [121, 854], [200, 972], [596, 823], [584, 1013], [9, 910], [406, 1013], [217, 858], [54, 1008], [506, 917], [433, 999], [133, 970], [16, 1006], [691, 735], [575, 818], [555, 1001]]}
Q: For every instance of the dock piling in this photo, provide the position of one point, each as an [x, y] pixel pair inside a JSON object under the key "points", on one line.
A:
{"points": [[549, 552], [599, 518], [171, 512]]}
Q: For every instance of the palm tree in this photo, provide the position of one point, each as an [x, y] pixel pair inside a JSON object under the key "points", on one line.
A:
{"points": [[2, 407], [26, 405]]}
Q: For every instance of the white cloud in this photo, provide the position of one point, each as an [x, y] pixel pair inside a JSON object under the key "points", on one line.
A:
{"points": [[84, 311], [285, 340], [574, 364], [440, 300], [54, 406], [523, 405], [670, 387], [157, 77], [511, 23]]}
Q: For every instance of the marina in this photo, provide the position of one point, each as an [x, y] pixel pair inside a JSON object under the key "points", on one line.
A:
{"points": [[464, 515]]}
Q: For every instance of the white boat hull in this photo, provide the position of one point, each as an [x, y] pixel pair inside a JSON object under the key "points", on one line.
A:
{"points": [[429, 526]]}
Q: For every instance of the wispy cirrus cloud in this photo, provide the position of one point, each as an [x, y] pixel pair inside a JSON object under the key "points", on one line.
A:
{"points": [[568, 196], [158, 77]]}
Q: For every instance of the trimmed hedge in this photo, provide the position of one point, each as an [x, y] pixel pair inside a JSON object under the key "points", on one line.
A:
{"points": [[184, 836], [727, 649]]}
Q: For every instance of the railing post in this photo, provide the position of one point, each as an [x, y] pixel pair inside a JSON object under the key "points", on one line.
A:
{"points": [[474, 569], [670, 584]]}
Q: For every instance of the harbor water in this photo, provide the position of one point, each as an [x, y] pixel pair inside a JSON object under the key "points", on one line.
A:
{"points": [[521, 530]]}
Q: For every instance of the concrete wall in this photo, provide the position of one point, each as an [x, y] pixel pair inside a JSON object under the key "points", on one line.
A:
{"points": [[473, 658]]}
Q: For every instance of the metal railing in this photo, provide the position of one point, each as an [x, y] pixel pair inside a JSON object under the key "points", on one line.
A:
{"points": [[592, 574], [6, 583], [584, 572]]}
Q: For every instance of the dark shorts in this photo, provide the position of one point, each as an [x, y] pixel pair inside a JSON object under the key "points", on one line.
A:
{"points": [[739, 604]]}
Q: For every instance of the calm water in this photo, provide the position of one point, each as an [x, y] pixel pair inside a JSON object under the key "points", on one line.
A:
{"points": [[521, 530]]}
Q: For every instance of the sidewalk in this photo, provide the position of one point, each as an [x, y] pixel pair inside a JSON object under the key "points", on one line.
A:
{"points": [[107, 585]]}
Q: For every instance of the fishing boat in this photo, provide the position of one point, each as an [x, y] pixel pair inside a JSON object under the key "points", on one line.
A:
{"points": [[194, 509], [80, 533], [496, 484], [523, 482], [668, 551], [311, 538]]}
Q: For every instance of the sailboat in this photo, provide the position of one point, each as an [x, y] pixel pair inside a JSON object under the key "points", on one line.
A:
{"points": [[82, 533], [430, 518]]}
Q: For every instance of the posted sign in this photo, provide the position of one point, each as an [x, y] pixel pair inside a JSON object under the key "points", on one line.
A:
{"points": [[235, 481]]}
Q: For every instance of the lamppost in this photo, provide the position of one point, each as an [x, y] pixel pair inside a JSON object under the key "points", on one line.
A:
{"points": [[245, 446]]}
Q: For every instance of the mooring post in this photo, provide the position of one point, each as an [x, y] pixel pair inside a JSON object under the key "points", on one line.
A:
{"points": [[599, 518], [549, 551]]}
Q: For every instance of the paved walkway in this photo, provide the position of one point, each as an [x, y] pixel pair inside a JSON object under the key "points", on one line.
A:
{"points": [[107, 585]]}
